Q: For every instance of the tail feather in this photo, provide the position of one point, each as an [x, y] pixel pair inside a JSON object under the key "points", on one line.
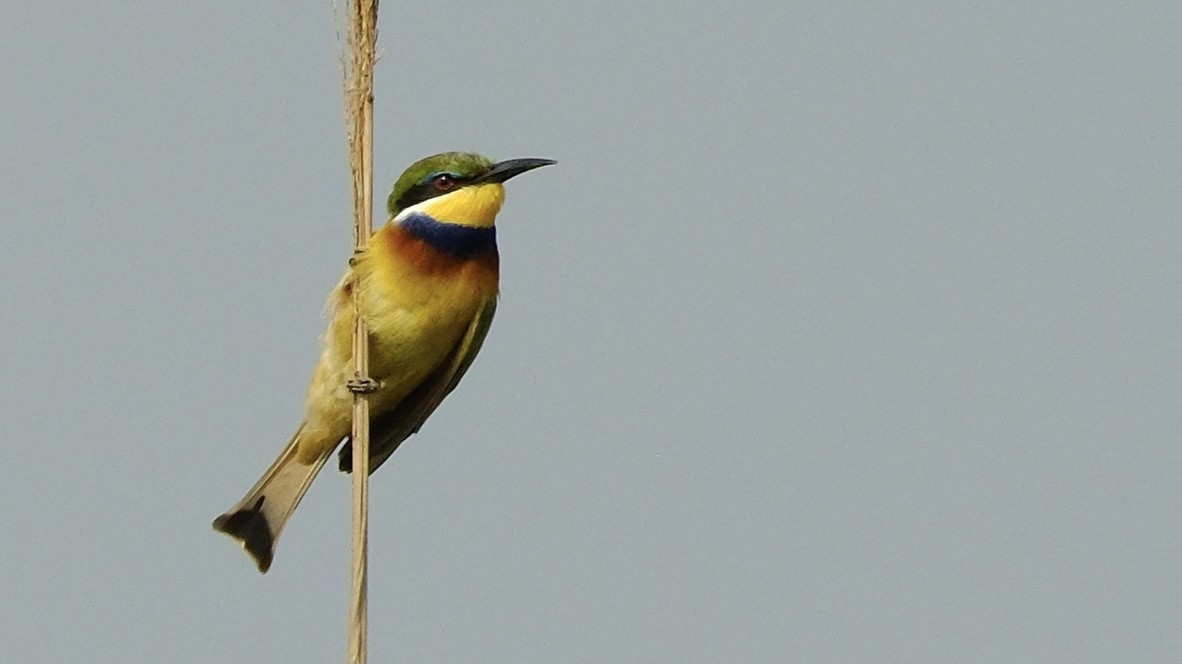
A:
{"points": [[258, 519]]}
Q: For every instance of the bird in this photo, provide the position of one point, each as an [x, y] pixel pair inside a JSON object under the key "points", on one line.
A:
{"points": [[427, 282]]}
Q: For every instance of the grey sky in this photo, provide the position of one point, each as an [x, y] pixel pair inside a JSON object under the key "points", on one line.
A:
{"points": [[840, 333]]}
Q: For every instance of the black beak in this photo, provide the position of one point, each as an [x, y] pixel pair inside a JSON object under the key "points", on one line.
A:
{"points": [[504, 170]]}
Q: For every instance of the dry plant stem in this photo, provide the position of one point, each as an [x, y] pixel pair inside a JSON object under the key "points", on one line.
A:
{"points": [[357, 71]]}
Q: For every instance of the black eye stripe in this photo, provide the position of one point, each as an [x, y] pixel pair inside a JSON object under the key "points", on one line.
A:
{"points": [[426, 189]]}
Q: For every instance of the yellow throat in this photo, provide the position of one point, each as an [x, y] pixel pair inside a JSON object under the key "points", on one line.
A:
{"points": [[475, 206]]}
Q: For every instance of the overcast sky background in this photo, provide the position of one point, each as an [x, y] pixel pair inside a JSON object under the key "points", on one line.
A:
{"points": [[842, 332]]}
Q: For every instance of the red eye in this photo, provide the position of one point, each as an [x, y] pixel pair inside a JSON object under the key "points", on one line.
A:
{"points": [[443, 182]]}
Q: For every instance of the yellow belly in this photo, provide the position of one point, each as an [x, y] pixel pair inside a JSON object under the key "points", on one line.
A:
{"points": [[415, 319]]}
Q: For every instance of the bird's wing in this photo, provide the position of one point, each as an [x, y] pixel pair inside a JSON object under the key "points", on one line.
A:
{"points": [[395, 426]]}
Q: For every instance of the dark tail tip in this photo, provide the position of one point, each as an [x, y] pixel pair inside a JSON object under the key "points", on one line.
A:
{"points": [[250, 526]]}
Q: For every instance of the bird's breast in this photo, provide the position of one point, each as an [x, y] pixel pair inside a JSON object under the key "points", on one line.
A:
{"points": [[419, 300]]}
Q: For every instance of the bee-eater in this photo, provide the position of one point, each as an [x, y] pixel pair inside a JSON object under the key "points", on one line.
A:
{"points": [[427, 283]]}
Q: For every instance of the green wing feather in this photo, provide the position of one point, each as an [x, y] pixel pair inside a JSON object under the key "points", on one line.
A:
{"points": [[389, 430]]}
